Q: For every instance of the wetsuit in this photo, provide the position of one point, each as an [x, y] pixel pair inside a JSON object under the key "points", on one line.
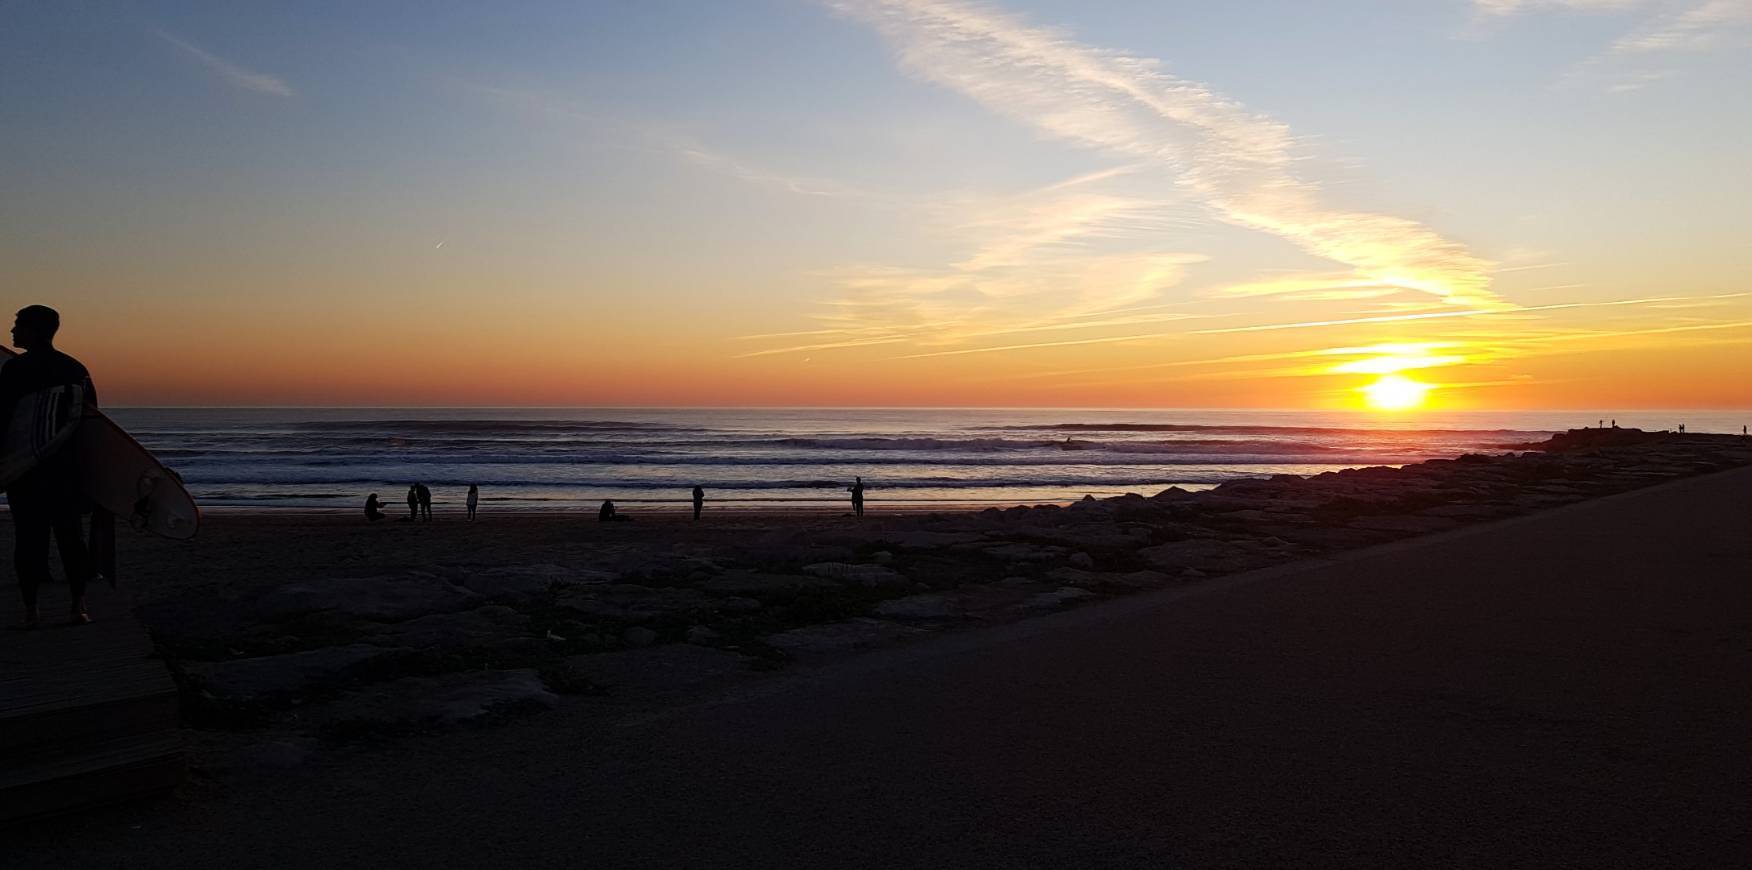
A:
{"points": [[48, 498]]}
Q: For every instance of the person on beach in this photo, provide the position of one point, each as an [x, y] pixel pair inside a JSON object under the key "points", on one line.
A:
{"points": [[857, 491], [474, 499], [607, 514], [425, 502], [699, 495], [373, 508], [413, 501], [46, 500]]}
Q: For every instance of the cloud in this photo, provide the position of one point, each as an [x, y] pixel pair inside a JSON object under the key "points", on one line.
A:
{"points": [[1698, 28], [261, 83], [1236, 163], [1504, 8]]}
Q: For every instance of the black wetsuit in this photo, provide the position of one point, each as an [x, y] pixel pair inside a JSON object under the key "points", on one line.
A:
{"points": [[48, 498]]}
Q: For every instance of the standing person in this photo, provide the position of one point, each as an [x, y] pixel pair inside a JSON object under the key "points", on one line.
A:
{"points": [[699, 494], [857, 491], [474, 498], [413, 501], [46, 500], [425, 502]]}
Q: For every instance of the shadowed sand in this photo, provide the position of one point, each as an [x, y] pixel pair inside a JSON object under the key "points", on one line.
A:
{"points": [[1568, 688]]}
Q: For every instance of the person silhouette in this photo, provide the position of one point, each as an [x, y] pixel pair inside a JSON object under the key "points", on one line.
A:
{"points": [[474, 499], [373, 508], [608, 515], [857, 491], [425, 501], [47, 500], [699, 498], [1615, 424], [413, 501]]}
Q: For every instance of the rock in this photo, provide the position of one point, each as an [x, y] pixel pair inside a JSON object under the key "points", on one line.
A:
{"points": [[868, 576], [881, 557], [840, 636], [638, 672], [1058, 598], [527, 582], [700, 635], [451, 631], [631, 603], [928, 606], [1082, 560], [1409, 524], [388, 598], [419, 702], [1011, 551], [280, 677], [757, 584], [1110, 580], [639, 636]]}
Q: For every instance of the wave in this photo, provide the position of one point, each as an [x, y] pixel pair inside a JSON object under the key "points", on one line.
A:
{"points": [[1257, 429]]}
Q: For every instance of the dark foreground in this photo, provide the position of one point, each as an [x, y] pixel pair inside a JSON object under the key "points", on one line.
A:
{"points": [[1570, 688]]}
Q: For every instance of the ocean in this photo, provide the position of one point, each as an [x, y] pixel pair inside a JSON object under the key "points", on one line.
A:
{"points": [[545, 458]]}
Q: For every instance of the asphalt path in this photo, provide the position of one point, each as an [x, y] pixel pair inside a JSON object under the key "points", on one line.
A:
{"points": [[1567, 689]]}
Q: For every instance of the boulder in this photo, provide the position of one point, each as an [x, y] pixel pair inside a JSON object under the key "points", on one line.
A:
{"points": [[836, 637], [280, 677], [1060, 597], [386, 598], [868, 576], [936, 605]]}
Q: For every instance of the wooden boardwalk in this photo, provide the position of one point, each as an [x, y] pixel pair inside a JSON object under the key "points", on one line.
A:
{"points": [[87, 715]]}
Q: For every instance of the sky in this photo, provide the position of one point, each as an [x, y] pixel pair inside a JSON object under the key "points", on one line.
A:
{"points": [[1509, 204]]}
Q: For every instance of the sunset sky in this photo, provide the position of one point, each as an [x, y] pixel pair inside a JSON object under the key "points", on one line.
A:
{"points": [[1523, 203]]}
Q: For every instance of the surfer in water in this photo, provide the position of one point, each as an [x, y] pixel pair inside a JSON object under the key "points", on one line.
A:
{"points": [[46, 500]]}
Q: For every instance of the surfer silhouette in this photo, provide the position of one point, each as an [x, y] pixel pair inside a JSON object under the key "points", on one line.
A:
{"points": [[857, 491], [425, 501], [413, 501], [46, 500], [373, 508], [474, 498], [699, 495]]}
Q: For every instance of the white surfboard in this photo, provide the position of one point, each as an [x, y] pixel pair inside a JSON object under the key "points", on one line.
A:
{"points": [[123, 478], [39, 426]]}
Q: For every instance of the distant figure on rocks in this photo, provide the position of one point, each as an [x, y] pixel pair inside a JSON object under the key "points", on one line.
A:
{"points": [[474, 499], [857, 491], [1742, 431], [1602, 424], [46, 500], [425, 502], [413, 501], [373, 508], [607, 514], [1682, 428], [1615, 424], [699, 495]]}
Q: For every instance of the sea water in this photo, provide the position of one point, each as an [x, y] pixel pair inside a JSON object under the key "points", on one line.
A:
{"points": [[545, 458]]}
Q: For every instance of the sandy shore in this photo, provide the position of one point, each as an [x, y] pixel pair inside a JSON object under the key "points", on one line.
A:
{"points": [[316, 630]]}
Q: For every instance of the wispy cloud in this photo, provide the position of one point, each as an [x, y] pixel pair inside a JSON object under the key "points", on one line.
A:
{"points": [[235, 75], [1234, 162], [1642, 57]]}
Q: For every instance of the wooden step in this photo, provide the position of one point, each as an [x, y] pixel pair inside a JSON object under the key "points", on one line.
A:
{"points": [[81, 775]]}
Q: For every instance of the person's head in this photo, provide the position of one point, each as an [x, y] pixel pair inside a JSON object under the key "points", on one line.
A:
{"points": [[35, 327]]}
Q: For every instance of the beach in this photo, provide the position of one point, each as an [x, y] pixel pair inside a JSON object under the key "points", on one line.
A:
{"points": [[1430, 618], [319, 629]]}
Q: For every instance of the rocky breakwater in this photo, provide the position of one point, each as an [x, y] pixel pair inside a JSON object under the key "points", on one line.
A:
{"points": [[303, 665]]}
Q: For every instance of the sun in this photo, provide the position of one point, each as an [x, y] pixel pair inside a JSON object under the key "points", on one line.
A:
{"points": [[1395, 393]]}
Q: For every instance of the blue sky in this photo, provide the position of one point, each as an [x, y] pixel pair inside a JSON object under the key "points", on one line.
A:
{"points": [[999, 199]]}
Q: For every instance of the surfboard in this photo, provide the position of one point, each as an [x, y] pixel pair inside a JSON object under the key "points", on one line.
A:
{"points": [[124, 478], [39, 426]]}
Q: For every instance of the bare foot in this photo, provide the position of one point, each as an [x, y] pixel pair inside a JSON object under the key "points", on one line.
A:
{"points": [[80, 617]]}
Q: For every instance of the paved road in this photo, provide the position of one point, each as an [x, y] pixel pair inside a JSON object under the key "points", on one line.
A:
{"points": [[1568, 689]]}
